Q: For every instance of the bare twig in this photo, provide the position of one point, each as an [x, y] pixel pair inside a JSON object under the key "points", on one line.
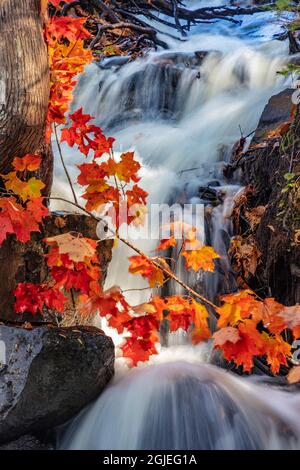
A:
{"points": [[64, 165], [155, 263]]}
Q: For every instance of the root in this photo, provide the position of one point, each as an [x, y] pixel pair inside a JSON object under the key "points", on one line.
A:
{"points": [[119, 22]]}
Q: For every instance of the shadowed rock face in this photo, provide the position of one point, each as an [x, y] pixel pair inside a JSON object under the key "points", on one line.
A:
{"points": [[48, 374], [28, 443], [264, 169], [277, 111]]}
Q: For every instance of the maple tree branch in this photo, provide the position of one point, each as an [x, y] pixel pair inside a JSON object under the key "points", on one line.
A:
{"points": [[141, 253], [64, 165]]}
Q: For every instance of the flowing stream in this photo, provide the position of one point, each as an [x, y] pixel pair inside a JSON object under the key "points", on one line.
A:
{"points": [[182, 111]]}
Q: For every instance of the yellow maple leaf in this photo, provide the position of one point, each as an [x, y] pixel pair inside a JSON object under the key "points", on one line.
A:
{"points": [[202, 258], [30, 189]]}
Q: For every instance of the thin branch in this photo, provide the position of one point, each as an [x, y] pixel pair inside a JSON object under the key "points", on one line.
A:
{"points": [[64, 166], [168, 273]]}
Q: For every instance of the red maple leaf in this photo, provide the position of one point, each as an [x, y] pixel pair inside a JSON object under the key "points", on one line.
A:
{"points": [[67, 27], [33, 298], [250, 343]]}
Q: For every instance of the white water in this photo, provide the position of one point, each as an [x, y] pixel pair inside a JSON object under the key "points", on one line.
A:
{"points": [[186, 405], [175, 401]]}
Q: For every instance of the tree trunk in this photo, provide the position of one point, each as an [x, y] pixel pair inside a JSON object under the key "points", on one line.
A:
{"points": [[24, 97], [24, 85]]}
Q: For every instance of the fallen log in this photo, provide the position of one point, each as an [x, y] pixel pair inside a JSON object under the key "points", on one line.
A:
{"points": [[112, 20]]}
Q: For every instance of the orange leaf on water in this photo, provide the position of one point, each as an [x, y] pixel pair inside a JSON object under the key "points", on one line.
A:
{"points": [[294, 375]]}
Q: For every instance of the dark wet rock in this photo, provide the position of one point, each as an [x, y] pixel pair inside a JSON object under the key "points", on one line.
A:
{"points": [[185, 59], [277, 111], [48, 375], [112, 62], [209, 194], [28, 442], [214, 183], [263, 169]]}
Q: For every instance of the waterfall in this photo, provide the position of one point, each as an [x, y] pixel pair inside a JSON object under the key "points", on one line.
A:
{"points": [[181, 111], [186, 406]]}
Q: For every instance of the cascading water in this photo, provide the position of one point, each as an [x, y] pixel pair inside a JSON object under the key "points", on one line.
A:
{"points": [[181, 111]]}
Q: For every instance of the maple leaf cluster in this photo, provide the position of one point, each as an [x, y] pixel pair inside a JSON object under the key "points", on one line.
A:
{"points": [[68, 56], [34, 298], [22, 206], [110, 184], [73, 264], [197, 256], [178, 311], [57, 3], [252, 327]]}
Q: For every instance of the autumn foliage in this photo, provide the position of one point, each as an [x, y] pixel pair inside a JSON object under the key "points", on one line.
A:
{"points": [[248, 326]]}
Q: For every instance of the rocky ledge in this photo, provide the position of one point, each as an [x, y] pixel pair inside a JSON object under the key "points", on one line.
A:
{"points": [[48, 374]]}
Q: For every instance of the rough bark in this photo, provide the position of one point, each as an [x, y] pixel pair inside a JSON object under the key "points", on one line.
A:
{"points": [[24, 84]]}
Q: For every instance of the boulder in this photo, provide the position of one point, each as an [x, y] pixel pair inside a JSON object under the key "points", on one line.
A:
{"points": [[48, 374], [277, 111], [27, 442]]}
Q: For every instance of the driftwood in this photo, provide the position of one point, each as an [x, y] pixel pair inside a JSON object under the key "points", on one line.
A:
{"points": [[115, 22]]}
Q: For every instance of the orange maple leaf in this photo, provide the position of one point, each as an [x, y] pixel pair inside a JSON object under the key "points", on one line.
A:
{"points": [[276, 350], [201, 331], [145, 267], [166, 243], [242, 351], [67, 27], [202, 258], [126, 169], [28, 162], [239, 306]]}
